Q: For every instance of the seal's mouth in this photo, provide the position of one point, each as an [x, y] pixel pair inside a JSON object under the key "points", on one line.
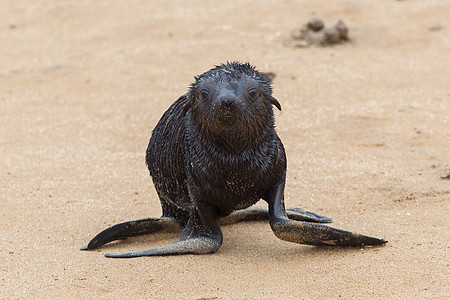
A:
{"points": [[227, 116]]}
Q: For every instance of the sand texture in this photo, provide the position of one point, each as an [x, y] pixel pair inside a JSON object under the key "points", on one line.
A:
{"points": [[366, 127]]}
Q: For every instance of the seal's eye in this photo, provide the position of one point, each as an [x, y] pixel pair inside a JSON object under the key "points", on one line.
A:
{"points": [[253, 93], [204, 94]]}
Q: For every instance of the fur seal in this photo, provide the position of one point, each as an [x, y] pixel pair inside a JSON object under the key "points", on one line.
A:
{"points": [[215, 153]]}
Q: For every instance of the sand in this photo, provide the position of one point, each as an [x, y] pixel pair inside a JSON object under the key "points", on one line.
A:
{"points": [[366, 127]]}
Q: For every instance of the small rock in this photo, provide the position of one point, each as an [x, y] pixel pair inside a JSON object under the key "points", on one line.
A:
{"points": [[316, 24], [435, 27], [314, 33], [446, 176], [405, 197]]}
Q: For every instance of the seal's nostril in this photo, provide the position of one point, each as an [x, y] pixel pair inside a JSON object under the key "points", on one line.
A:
{"points": [[227, 98], [228, 102]]}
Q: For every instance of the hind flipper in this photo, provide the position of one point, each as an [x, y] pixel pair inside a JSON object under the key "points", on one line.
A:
{"points": [[259, 213]]}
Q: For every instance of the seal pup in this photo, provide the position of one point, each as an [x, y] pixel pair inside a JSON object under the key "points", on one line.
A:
{"points": [[215, 153]]}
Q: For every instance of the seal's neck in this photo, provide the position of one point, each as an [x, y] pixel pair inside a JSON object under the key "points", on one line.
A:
{"points": [[231, 140]]}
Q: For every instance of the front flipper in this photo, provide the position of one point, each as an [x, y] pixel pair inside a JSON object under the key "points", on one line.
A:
{"points": [[201, 235], [319, 235], [190, 246], [309, 233], [259, 213], [132, 228]]}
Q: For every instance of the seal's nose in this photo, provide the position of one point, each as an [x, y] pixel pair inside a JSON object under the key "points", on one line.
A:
{"points": [[227, 99], [228, 102]]}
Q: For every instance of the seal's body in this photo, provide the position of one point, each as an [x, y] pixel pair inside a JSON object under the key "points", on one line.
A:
{"points": [[215, 151], [223, 147]]}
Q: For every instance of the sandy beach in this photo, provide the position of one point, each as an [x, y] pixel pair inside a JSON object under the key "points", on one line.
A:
{"points": [[365, 124]]}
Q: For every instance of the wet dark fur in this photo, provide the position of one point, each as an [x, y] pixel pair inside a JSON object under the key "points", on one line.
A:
{"points": [[229, 164], [214, 153]]}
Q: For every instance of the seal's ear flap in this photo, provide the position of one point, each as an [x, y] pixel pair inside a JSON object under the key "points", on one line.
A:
{"points": [[275, 102], [269, 76], [186, 101]]}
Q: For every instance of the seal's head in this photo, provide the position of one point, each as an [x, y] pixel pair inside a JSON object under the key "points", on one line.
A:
{"points": [[232, 102]]}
